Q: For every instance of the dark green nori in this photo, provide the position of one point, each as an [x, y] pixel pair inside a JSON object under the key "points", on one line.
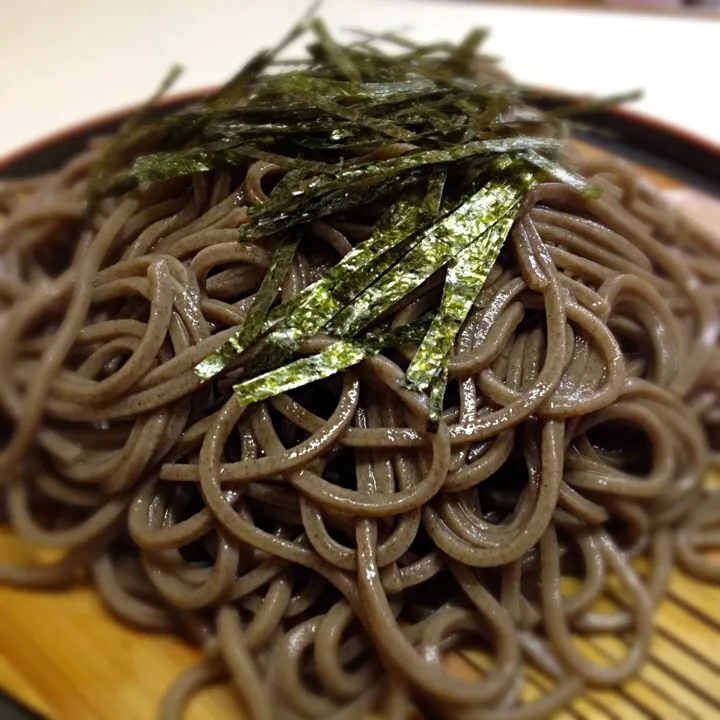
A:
{"points": [[470, 152], [256, 316], [340, 355]]}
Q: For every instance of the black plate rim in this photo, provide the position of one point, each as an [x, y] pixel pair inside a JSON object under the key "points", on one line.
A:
{"points": [[673, 150]]}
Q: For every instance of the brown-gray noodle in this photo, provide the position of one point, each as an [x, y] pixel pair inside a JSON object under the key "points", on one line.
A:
{"points": [[323, 549]]}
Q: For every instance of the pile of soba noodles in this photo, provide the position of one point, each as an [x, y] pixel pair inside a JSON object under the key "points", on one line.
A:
{"points": [[328, 548]]}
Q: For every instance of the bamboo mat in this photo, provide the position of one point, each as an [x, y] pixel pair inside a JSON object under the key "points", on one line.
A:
{"points": [[64, 655]]}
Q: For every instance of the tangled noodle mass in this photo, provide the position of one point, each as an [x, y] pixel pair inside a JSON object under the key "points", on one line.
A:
{"points": [[326, 548]]}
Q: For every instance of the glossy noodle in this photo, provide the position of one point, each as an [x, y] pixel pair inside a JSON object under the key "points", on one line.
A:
{"points": [[329, 552]]}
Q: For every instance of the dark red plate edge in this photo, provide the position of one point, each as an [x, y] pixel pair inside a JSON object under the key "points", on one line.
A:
{"points": [[667, 128], [86, 127], [623, 115]]}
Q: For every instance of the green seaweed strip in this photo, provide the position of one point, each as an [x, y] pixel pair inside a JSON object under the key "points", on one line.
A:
{"points": [[431, 110], [348, 286], [436, 187], [561, 173], [466, 274], [223, 153], [389, 168], [284, 189], [233, 124], [339, 356], [342, 61], [349, 196], [461, 58], [493, 107], [388, 36], [373, 94], [303, 91], [236, 88], [254, 320], [358, 269], [116, 146], [438, 245], [437, 390], [239, 130], [402, 219]]}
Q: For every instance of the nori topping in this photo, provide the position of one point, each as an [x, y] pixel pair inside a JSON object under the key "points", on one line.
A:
{"points": [[255, 319], [430, 135], [338, 356]]}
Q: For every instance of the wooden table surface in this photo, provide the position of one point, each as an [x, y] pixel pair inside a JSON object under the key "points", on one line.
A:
{"points": [[64, 655]]}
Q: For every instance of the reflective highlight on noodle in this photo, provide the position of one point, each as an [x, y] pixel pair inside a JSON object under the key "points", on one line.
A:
{"points": [[404, 487]]}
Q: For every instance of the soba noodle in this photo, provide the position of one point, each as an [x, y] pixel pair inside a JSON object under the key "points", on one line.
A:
{"points": [[324, 550]]}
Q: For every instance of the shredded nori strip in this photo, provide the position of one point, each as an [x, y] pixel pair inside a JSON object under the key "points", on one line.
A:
{"points": [[430, 136], [436, 188], [335, 53], [435, 248], [339, 200], [223, 153], [437, 390], [466, 274], [390, 168], [563, 174], [593, 105], [109, 158], [255, 319], [339, 356], [464, 55], [304, 91], [359, 268], [373, 94]]}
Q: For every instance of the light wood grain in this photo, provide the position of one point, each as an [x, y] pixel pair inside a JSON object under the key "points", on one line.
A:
{"points": [[64, 655]]}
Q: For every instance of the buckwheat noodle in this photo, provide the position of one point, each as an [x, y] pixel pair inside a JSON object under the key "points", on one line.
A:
{"points": [[325, 551]]}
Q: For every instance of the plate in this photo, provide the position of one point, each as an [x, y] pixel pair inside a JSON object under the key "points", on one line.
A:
{"points": [[64, 656]]}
